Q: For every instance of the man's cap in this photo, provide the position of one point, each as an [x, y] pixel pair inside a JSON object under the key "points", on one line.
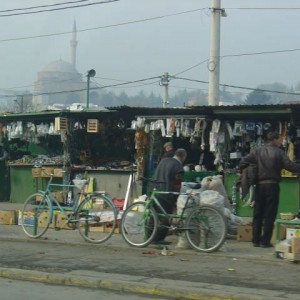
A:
{"points": [[168, 144]]}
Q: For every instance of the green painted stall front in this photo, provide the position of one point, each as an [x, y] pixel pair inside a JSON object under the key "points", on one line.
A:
{"points": [[288, 198]]}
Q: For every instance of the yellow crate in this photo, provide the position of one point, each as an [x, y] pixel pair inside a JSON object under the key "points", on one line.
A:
{"points": [[46, 172], [58, 172], [8, 217], [36, 172]]}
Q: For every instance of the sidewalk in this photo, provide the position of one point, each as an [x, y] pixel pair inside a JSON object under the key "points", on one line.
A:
{"points": [[231, 248], [175, 289]]}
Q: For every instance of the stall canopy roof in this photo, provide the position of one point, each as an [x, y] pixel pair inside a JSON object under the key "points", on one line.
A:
{"points": [[234, 112]]}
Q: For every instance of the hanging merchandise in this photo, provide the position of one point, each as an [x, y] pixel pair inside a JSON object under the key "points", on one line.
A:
{"points": [[198, 132], [141, 141], [213, 138], [284, 134], [291, 151], [186, 128], [42, 129], [178, 126], [259, 128], [171, 128], [162, 127], [140, 123], [215, 126], [18, 130], [239, 128], [229, 130], [250, 125]]}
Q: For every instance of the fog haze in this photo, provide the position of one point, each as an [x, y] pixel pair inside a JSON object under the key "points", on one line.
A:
{"points": [[140, 39]]}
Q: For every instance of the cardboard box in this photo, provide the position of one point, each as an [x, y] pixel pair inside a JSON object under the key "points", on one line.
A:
{"points": [[58, 195], [292, 233], [36, 172], [58, 172], [46, 172], [8, 217], [61, 221], [282, 233], [283, 247], [244, 233], [108, 227], [292, 256], [28, 218], [295, 245]]}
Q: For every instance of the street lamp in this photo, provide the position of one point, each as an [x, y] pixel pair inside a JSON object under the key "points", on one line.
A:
{"points": [[90, 73]]}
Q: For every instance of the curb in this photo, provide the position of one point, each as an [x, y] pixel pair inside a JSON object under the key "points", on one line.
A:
{"points": [[131, 286]]}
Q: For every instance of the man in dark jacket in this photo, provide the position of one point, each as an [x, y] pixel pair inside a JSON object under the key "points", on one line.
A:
{"points": [[270, 160], [170, 172]]}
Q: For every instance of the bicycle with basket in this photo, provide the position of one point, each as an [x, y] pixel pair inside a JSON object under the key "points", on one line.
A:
{"points": [[203, 225], [89, 212]]}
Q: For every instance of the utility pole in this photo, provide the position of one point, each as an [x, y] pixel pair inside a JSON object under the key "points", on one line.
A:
{"points": [[214, 58], [165, 83], [20, 103]]}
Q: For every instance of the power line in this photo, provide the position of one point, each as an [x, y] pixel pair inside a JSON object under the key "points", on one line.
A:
{"points": [[56, 9], [241, 54], [83, 89], [239, 87], [102, 27], [40, 6], [263, 8]]}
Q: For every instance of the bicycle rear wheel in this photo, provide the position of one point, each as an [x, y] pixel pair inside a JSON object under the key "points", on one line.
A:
{"points": [[206, 229], [139, 224], [96, 218], [35, 215]]}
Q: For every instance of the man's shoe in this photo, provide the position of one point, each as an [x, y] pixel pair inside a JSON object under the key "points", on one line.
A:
{"points": [[256, 245], [266, 245], [161, 242]]}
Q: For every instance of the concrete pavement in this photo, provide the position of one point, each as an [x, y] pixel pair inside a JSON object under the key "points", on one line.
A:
{"points": [[177, 289]]}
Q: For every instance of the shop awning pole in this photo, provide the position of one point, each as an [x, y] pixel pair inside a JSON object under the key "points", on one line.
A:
{"points": [[127, 191]]}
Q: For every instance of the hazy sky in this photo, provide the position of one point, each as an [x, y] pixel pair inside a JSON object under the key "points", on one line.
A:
{"points": [[160, 36]]}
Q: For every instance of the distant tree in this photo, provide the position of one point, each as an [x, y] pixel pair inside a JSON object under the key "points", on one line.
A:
{"points": [[257, 97]]}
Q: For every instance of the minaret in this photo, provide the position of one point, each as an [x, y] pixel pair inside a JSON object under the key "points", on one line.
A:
{"points": [[73, 44]]}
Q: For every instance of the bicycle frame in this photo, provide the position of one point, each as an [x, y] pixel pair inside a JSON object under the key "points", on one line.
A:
{"points": [[163, 214], [55, 203]]}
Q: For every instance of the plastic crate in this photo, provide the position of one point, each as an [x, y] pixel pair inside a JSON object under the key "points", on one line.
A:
{"points": [[119, 203]]}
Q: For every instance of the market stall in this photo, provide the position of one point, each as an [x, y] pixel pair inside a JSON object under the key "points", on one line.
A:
{"points": [[215, 139], [93, 144]]}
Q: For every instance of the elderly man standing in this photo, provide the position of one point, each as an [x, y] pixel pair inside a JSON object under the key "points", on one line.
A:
{"points": [[170, 172]]}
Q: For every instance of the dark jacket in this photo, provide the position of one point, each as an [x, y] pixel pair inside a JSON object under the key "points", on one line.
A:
{"points": [[170, 172], [270, 160]]}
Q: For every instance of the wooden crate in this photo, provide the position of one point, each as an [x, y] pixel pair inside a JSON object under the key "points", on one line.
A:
{"points": [[36, 172], [8, 217]]}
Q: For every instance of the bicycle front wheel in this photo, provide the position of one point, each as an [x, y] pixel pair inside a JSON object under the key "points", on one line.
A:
{"points": [[139, 224], [35, 215], [96, 218], [206, 229]]}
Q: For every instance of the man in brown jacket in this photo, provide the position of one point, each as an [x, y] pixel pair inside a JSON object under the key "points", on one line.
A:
{"points": [[270, 160]]}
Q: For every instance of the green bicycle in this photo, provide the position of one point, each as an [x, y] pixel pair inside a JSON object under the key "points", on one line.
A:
{"points": [[90, 212], [204, 226]]}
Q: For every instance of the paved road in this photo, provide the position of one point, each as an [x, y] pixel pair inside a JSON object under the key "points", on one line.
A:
{"points": [[63, 257], [21, 290]]}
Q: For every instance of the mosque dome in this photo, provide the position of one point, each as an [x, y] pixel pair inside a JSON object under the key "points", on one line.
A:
{"points": [[59, 66]]}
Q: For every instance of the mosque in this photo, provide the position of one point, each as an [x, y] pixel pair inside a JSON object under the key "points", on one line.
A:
{"points": [[59, 83]]}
